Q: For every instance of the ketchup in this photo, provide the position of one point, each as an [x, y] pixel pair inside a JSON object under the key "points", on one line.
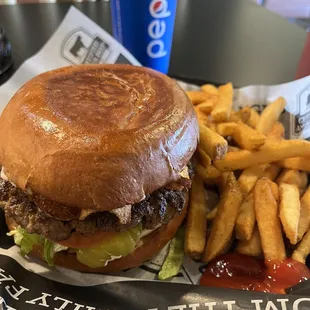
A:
{"points": [[243, 272]]}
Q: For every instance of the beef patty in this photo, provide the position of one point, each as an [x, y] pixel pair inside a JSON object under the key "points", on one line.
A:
{"points": [[155, 209]]}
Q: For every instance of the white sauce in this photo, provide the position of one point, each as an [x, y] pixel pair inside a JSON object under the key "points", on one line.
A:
{"points": [[146, 232], [3, 175], [112, 258]]}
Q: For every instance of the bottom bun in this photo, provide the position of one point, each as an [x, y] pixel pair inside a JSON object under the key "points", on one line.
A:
{"points": [[151, 245]]}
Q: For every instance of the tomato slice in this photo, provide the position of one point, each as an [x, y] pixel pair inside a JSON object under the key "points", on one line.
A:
{"points": [[79, 241]]}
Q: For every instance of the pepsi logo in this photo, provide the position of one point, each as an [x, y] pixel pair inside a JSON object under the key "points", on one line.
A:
{"points": [[157, 28], [158, 6]]}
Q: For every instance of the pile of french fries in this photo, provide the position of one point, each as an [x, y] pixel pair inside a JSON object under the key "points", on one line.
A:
{"points": [[262, 181]]}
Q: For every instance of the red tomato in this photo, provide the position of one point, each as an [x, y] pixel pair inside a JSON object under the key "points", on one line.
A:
{"points": [[78, 241]]}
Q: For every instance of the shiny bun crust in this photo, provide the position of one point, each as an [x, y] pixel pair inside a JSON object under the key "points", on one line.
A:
{"points": [[97, 136], [152, 244]]}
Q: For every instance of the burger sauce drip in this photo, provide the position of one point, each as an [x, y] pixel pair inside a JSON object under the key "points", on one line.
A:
{"points": [[243, 272]]}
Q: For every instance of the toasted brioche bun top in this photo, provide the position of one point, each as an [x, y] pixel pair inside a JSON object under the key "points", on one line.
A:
{"points": [[97, 136]]}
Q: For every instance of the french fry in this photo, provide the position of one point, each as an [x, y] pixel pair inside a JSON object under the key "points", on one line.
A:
{"points": [[222, 181], [243, 115], [289, 210], [232, 149], [276, 133], [270, 115], [299, 178], [303, 249], [212, 126], [224, 222], [204, 158], [196, 223], [197, 96], [296, 163], [211, 215], [269, 226], [212, 143], [247, 137], [249, 177], [210, 89], [304, 222], [274, 190], [272, 171], [226, 129], [222, 110], [246, 219], [209, 174], [253, 119], [206, 106], [269, 153], [203, 118], [252, 247]]}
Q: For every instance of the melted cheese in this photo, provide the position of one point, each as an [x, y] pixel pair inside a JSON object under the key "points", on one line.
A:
{"points": [[123, 214], [184, 173], [85, 212]]}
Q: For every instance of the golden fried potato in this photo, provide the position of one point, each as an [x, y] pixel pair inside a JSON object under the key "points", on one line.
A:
{"points": [[268, 222], [222, 110], [247, 137], [298, 178], [196, 223], [197, 96], [250, 176], [268, 153], [204, 158], [289, 210], [212, 143], [296, 163], [243, 115], [210, 89], [303, 249], [226, 129], [304, 221], [209, 174], [270, 115], [246, 219], [224, 222], [253, 119], [252, 247]]}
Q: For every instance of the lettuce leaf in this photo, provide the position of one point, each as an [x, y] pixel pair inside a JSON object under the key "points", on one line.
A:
{"points": [[25, 240], [120, 245], [49, 250], [174, 259]]}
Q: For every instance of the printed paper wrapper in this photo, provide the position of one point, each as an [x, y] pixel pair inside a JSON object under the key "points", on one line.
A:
{"points": [[26, 283]]}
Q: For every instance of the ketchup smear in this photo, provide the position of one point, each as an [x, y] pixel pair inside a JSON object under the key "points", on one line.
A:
{"points": [[246, 273]]}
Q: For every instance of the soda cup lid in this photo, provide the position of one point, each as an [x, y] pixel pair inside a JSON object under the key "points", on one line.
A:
{"points": [[5, 52]]}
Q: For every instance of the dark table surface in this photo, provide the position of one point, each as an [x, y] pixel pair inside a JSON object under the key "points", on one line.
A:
{"points": [[214, 40]]}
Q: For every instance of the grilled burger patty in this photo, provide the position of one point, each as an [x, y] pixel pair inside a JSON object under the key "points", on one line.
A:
{"points": [[155, 209]]}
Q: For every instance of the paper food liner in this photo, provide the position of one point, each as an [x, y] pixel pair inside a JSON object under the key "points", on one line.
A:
{"points": [[26, 283]]}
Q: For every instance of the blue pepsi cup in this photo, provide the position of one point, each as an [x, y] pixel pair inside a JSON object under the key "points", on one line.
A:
{"points": [[145, 28]]}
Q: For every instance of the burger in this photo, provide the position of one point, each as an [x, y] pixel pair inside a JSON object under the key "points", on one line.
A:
{"points": [[96, 165]]}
